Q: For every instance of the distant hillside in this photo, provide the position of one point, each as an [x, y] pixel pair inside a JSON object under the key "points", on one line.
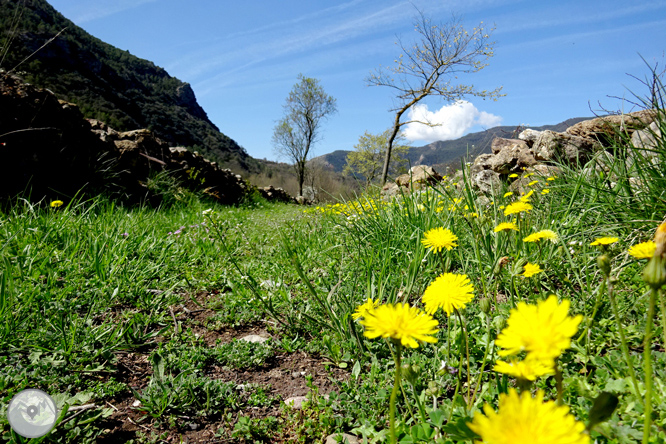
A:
{"points": [[451, 151], [107, 83]]}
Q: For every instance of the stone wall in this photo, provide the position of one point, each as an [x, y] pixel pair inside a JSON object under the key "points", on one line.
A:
{"points": [[50, 151]]}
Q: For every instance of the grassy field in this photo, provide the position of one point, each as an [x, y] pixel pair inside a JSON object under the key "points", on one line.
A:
{"points": [[135, 320]]}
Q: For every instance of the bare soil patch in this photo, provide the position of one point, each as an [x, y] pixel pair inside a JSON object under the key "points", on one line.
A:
{"points": [[282, 376]]}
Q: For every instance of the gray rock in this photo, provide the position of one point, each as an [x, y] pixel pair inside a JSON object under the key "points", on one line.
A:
{"points": [[254, 338], [529, 136], [606, 128], [647, 139], [345, 438], [482, 162], [500, 143], [296, 402], [486, 181], [563, 147]]}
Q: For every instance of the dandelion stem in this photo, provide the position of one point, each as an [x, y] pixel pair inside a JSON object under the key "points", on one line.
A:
{"points": [[597, 304], [396, 384], [514, 293], [464, 332], [647, 365], [663, 318], [558, 383], [483, 362], [623, 340]]}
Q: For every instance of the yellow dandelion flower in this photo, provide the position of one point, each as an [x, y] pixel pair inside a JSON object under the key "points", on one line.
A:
{"points": [[56, 203], [522, 418], [510, 193], [529, 368], [517, 207], [526, 197], [534, 182], [543, 330], [604, 241], [551, 178], [531, 269], [506, 226], [513, 175], [362, 310], [400, 322], [545, 191], [439, 238], [644, 250], [447, 292], [543, 234], [529, 174]]}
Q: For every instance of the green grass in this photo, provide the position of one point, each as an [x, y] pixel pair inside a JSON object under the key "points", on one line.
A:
{"points": [[87, 283]]}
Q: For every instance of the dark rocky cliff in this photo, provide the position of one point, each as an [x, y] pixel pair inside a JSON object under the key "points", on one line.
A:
{"points": [[107, 83]]}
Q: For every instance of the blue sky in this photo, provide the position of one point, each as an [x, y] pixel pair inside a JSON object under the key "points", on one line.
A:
{"points": [[554, 59]]}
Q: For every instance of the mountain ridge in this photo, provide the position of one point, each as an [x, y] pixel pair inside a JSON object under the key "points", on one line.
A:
{"points": [[451, 152]]}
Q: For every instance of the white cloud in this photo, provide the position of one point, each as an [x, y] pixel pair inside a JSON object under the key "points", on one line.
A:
{"points": [[449, 122]]}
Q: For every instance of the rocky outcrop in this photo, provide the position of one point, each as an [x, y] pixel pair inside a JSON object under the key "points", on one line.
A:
{"points": [[607, 128], [50, 150], [539, 151], [418, 177], [276, 194]]}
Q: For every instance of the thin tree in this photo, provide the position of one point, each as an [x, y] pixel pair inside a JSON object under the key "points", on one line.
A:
{"points": [[294, 136], [431, 66]]}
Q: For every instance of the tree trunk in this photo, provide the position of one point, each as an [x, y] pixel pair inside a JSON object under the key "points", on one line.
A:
{"points": [[389, 147]]}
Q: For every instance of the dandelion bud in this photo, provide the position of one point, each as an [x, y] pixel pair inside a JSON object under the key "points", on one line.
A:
{"points": [[660, 240], [655, 272], [411, 373], [604, 264], [484, 305]]}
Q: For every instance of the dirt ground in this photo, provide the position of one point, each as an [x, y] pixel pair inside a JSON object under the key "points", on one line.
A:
{"points": [[284, 375]]}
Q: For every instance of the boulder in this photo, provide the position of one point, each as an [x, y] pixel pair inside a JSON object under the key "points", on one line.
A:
{"points": [[544, 171], [647, 139], [487, 181], [273, 194], [499, 143], [529, 136], [605, 129], [564, 147], [512, 158], [482, 162], [418, 178]]}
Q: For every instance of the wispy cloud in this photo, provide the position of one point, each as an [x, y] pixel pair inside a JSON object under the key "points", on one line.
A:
{"points": [[82, 11], [448, 123], [280, 40], [584, 35], [560, 16]]}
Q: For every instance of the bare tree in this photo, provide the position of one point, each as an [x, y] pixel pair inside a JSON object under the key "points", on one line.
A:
{"points": [[431, 66], [306, 108]]}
